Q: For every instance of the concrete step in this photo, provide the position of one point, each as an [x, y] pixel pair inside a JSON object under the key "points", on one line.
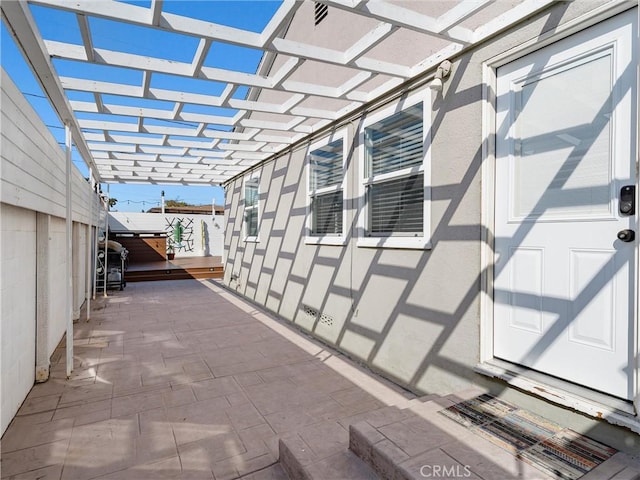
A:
{"points": [[322, 452], [414, 442], [173, 274], [300, 462], [274, 472], [421, 443]]}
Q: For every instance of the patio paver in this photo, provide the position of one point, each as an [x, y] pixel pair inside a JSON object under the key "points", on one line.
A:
{"points": [[182, 379], [179, 379]]}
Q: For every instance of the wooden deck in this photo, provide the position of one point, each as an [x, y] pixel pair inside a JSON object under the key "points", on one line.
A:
{"points": [[177, 269]]}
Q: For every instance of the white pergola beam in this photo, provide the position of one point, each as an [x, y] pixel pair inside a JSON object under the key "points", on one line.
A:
{"points": [[199, 154], [103, 125], [282, 16], [178, 142], [136, 140], [134, 157], [156, 12], [95, 86], [194, 27], [278, 138], [200, 55], [242, 147], [22, 27], [162, 150], [270, 125], [159, 153], [179, 131], [246, 135], [523, 10], [85, 32], [254, 156], [460, 13], [368, 41]]}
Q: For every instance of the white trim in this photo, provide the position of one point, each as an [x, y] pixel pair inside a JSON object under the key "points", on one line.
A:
{"points": [[69, 254], [422, 242], [636, 346], [555, 390], [582, 400], [337, 240], [245, 237], [578, 24], [487, 214]]}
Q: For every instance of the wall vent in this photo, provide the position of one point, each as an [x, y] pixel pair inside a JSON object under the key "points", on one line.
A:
{"points": [[326, 320], [320, 12], [310, 312], [313, 314]]}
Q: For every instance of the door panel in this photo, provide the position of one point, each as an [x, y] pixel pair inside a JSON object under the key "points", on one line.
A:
{"points": [[563, 169], [565, 145], [593, 324]]}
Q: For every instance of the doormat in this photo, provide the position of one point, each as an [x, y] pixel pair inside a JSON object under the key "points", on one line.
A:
{"points": [[557, 451]]}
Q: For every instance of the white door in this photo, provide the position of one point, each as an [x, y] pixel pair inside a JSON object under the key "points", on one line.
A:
{"points": [[565, 147]]}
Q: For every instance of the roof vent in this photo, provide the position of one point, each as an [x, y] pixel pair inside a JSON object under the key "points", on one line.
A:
{"points": [[320, 12]]}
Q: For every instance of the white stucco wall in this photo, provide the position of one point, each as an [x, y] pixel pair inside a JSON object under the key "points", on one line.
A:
{"points": [[18, 308], [413, 315], [213, 229]]}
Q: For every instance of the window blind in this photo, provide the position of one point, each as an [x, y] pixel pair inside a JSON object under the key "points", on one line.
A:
{"points": [[251, 222], [326, 165], [326, 176], [396, 206], [251, 207], [326, 212], [396, 142]]}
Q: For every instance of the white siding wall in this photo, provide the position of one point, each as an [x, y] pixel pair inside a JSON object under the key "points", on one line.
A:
{"points": [[33, 164], [18, 307], [57, 283], [79, 267], [32, 179], [213, 227]]}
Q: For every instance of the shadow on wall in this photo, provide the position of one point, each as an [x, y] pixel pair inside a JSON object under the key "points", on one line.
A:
{"points": [[411, 315], [205, 239]]}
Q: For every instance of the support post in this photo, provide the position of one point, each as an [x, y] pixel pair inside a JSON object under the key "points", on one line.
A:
{"points": [[88, 239], [95, 249], [88, 281], [69, 240], [43, 285], [106, 242], [76, 268]]}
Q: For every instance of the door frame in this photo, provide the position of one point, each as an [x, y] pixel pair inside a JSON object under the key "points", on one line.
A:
{"points": [[565, 393]]}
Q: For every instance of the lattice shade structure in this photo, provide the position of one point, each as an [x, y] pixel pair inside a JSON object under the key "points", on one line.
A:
{"points": [[132, 125]]}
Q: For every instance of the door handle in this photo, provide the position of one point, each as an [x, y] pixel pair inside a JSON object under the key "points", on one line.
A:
{"points": [[626, 235]]}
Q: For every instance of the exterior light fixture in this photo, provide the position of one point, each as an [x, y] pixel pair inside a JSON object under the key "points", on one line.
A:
{"points": [[443, 71]]}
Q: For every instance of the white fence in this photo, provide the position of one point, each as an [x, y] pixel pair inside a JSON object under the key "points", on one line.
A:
{"points": [[202, 235]]}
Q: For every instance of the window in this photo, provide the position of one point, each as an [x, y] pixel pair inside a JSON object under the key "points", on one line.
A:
{"points": [[395, 189], [251, 196], [325, 219]]}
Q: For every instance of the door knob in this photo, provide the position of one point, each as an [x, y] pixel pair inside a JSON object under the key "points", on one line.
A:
{"points": [[626, 235]]}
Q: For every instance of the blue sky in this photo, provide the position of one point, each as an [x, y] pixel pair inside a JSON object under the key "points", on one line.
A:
{"points": [[62, 26]]}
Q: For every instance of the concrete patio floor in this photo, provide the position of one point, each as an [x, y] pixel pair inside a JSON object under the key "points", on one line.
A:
{"points": [[182, 379]]}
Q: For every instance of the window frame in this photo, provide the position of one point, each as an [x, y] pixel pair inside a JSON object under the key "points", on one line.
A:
{"points": [[331, 239], [423, 241], [254, 176]]}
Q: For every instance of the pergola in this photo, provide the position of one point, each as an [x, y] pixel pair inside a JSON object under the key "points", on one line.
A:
{"points": [[143, 132]]}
